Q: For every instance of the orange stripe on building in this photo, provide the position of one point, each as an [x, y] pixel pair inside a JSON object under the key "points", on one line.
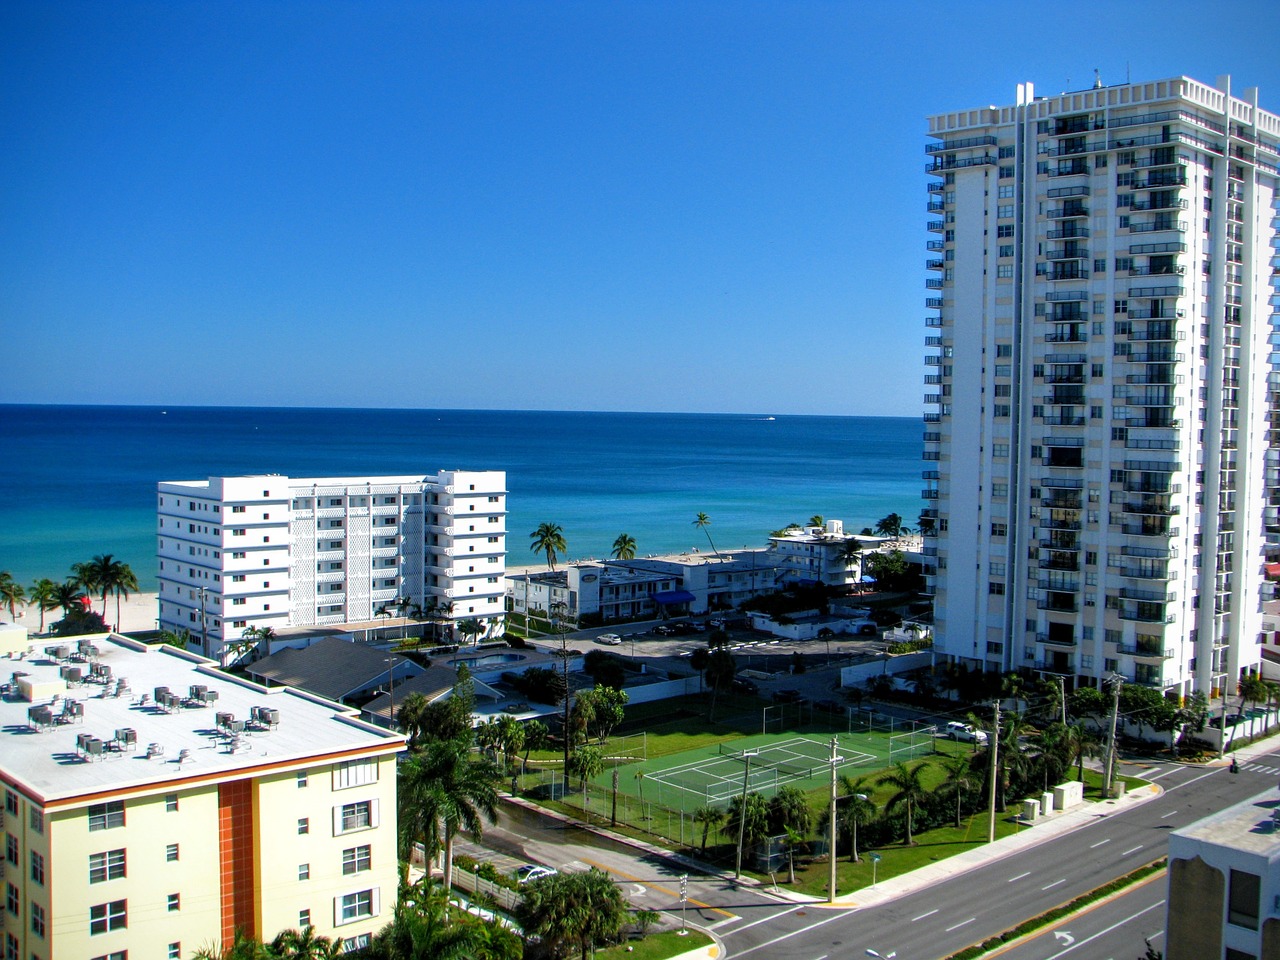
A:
{"points": [[235, 856]]}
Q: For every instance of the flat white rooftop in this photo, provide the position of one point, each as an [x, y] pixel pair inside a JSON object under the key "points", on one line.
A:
{"points": [[47, 760], [1247, 826]]}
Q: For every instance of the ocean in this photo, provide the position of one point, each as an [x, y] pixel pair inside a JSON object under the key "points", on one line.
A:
{"points": [[76, 481]]}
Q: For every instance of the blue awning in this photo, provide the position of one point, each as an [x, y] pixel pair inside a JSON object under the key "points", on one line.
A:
{"points": [[674, 596], [868, 579]]}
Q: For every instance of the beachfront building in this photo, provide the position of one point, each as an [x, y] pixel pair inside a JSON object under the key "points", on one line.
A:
{"points": [[1224, 884], [154, 805], [826, 555], [237, 553], [1099, 313]]}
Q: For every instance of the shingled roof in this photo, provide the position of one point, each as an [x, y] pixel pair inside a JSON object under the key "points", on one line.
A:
{"points": [[332, 668]]}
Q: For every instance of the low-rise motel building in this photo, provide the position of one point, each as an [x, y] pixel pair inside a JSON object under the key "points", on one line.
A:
{"points": [[154, 805]]}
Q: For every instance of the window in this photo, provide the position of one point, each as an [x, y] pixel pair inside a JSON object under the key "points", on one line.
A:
{"points": [[354, 816], [1005, 174], [999, 529], [105, 917], [175, 951], [175, 902], [1006, 250], [304, 919], [999, 449], [1004, 231], [1004, 210], [37, 868], [1000, 409], [171, 853], [106, 866], [304, 871], [11, 849], [999, 489], [37, 920], [12, 901], [1004, 271], [356, 859], [302, 779], [1006, 190], [11, 802], [304, 825], [995, 588], [355, 906], [996, 568], [354, 773], [1004, 350], [106, 816], [1243, 898]]}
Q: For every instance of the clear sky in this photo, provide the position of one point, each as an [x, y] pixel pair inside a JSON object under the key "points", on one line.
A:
{"points": [[677, 206]]}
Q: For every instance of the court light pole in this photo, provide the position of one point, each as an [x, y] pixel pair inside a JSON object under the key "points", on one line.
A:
{"points": [[831, 850], [742, 810]]}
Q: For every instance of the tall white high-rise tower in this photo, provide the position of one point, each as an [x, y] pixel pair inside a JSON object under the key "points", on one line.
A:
{"points": [[1101, 300]]}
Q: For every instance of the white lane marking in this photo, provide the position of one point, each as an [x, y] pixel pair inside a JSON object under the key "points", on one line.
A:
{"points": [[961, 924], [724, 922], [1054, 884], [1185, 783], [787, 936], [1099, 843], [1158, 933], [1018, 877], [1166, 816], [923, 915], [1163, 773], [756, 923], [1132, 850], [1118, 923]]}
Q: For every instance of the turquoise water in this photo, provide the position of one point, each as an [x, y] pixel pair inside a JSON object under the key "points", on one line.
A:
{"points": [[78, 481]]}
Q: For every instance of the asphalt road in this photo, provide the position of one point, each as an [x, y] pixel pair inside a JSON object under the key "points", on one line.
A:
{"points": [[936, 921], [1114, 930]]}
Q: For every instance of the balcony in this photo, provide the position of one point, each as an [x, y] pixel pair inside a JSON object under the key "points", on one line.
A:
{"points": [[1064, 421], [1157, 356], [1067, 231], [1155, 528], [1065, 396], [1067, 605], [1157, 332], [1058, 585], [1070, 169], [1142, 615], [1069, 336], [933, 283], [1152, 508], [1068, 253], [1158, 572], [1170, 270], [1058, 640], [1063, 500], [1158, 203], [933, 321], [1064, 378], [928, 494], [933, 303], [1071, 272], [1153, 378], [936, 226], [950, 163], [1060, 524], [1061, 561], [1067, 211], [1060, 542], [1160, 224], [934, 245], [1169, 178], [965, 144], [1059, 667], [1153, 420], [1160, 161], [935, 206], [934, 264]]}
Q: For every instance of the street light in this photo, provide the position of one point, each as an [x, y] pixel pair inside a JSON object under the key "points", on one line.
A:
{"points": [[742, 809]]}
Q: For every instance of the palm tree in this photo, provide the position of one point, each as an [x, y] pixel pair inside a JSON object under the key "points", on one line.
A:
{"points": [[12, 593], [850, 554], [44, 594], [586, 763], [123, 579], [422, 927], [573, 909], [959, 783], [305, 944], [536, 737], [624, 548], [702, 521], [548, 539], [443, 790], [68, 595], [711, 818], [857, 808], [910, 791], [817, 520], [85, 576], [470, 628], [890, 526]]}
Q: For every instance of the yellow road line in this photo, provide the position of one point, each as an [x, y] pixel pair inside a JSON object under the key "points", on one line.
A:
{"points": [[656, 886]]}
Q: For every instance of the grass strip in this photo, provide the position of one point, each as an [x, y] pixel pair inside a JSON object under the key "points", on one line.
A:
{"points": [[974, 951], [656, 946]]}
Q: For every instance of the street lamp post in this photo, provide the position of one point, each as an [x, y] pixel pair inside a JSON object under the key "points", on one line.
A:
{"points": [[742, 810]]}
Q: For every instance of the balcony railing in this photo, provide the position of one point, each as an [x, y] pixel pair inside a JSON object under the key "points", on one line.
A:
{"points": [[1068, 421], [1157, 356], [1159, 203], [1059, 641], [1063, 562], [965, 144], [1157, 182], [1173, 270], [1067, 231], [1151, 509], [1067, 254], [1064, 378], [1158, 225], [1074, 336], [940, 165], [1158, 332], [1070, 605], [1067, 212], [1060, 545]]}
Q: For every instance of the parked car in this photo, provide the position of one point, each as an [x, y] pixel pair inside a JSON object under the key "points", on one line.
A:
{"points": [[787, 696], [743, 685], [531, 871], [664, 630], [682, 627], [717, 623], [965, 732], [609, 639], [1232, 719], [829, 706]]}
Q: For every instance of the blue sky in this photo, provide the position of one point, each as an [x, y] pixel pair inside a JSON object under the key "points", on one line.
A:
{"points": [[685, 206]]}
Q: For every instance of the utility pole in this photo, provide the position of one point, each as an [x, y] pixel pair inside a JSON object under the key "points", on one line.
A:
{"points": [[831, 850], [1109, 772], [742, 813], [994, 772], [1062, 692]]}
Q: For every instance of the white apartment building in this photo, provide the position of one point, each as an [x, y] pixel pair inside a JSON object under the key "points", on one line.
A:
{"points": [[827, 554], [1100, 305], [242, 552]]}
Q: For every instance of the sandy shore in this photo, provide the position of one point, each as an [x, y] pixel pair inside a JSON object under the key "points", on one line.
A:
{"points": [[139, 612]]}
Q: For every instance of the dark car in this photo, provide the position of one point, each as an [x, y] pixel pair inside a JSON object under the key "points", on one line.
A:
{"points": [[743, 685], [664, 630], [682, 627], [787, 696], [829, 706]]}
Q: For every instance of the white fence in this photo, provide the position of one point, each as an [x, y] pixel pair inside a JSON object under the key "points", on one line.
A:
{"points": [[860, 673]]}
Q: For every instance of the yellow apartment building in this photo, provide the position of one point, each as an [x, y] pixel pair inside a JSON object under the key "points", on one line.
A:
{"points": [[153, 805]]}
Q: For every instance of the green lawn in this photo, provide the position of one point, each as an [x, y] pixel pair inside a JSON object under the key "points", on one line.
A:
{"points": [[656, 946]]}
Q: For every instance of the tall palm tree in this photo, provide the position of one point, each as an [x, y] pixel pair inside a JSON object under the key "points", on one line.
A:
{"points": [[44, 594], [305, 944], [12, 593], [959, 783], [123, 581], [910, 791], [856, 808], [624, 548], [443, 790], [548, 539], [422, 927], [702, 521], [850, 554], [711, 818], [817, 520], [890, 526]]}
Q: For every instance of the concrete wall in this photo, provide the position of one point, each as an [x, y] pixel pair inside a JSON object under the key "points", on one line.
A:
{"points": [[859, 673]]}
